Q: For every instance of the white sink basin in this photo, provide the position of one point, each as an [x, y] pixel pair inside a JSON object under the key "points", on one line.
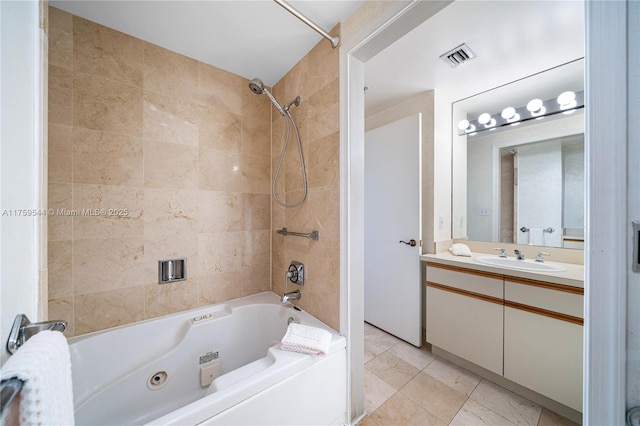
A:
{"points": [[524, 265]]}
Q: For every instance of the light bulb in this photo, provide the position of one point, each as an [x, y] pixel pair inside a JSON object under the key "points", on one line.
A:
{"points": [[567, 100], [536, 107], [466, 127], [510, 114], [486, 120]]}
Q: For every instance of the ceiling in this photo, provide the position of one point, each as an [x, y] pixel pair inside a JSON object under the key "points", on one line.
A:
{"points": [[512, 39], [248, 38], [259, 38]]}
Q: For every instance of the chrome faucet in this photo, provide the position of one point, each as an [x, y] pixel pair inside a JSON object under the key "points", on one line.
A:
{"points": [[539, 256], [295, 274], [292, 295], [519, 254], [503, 252]]}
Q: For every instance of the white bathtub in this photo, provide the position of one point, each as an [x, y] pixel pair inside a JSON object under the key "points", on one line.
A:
{"points": [[258, 383]]}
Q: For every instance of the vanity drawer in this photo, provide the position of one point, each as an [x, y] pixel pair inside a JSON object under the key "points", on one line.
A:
{"points": [[484, 283], [549, 297]]}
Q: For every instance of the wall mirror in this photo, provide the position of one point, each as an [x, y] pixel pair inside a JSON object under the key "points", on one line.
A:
{"points": [[518, 161]]}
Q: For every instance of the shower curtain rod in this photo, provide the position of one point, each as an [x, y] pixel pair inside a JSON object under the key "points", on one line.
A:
{"points": [[334, 40]]}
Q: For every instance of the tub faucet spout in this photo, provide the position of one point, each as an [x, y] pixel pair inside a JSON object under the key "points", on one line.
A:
{"points": [[292, 295]]}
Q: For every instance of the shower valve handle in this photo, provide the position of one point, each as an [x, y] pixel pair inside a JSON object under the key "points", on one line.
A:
{"points": [[295, 273]]}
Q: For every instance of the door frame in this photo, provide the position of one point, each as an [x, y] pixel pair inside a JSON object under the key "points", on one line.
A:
{"points": [[398, 22], [23, 164], [606, 250], [633, 200], [606, 259]]}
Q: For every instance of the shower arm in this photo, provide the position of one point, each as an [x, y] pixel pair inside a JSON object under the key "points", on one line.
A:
{"points": [[335, 41]]}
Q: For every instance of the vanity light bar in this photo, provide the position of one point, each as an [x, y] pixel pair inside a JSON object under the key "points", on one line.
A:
{"points": [[566, 102]]}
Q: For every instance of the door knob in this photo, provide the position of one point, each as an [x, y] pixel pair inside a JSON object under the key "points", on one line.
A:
{"points": [[411, 243]]}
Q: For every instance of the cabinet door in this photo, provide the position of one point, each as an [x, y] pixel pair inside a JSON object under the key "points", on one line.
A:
{"points": [[466, 326], [544, 354]]}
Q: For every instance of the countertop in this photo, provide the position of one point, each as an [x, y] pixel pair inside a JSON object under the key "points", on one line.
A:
{"points": [[573, 275]]}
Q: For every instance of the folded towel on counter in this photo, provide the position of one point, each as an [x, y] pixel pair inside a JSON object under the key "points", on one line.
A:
{"points": [[43, 363], [459, 249], [306, 339], [536, 237]]}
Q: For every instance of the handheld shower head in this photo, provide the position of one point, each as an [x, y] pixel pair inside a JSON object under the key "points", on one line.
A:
{"points": [[257, 86]]}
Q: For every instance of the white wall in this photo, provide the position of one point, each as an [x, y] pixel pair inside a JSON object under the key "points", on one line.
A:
{"points": [[21, 161]]}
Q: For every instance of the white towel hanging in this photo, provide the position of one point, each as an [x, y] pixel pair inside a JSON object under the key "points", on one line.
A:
{"points": [[536, 236], [43, 363]]}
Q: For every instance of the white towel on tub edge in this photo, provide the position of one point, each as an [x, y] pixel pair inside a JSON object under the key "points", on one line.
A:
{"points": [[306, 339]]}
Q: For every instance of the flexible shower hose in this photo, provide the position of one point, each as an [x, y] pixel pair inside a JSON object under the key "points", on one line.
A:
{"points": [[288, 118]]}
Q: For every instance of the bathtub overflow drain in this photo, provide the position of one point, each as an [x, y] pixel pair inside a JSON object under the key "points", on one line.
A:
{"points": [[157, 380]]}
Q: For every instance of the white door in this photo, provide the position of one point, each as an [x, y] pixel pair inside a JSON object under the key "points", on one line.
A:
{"points": [[392, 199]]}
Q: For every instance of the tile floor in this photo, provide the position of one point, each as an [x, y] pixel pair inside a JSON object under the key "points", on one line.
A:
{"points": [[405, 385]]}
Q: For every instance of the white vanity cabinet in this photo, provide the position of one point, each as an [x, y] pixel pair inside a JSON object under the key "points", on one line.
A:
{"points": [[543, 339], [465, 315], [528, 331]]}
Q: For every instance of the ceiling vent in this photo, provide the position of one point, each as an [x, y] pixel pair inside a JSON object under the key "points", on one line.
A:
{"points": [[458, 56]]}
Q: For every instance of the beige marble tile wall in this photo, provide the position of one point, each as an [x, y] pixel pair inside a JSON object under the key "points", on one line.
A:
{"points": [[507, 197], [182, 146], [316, 80]]}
